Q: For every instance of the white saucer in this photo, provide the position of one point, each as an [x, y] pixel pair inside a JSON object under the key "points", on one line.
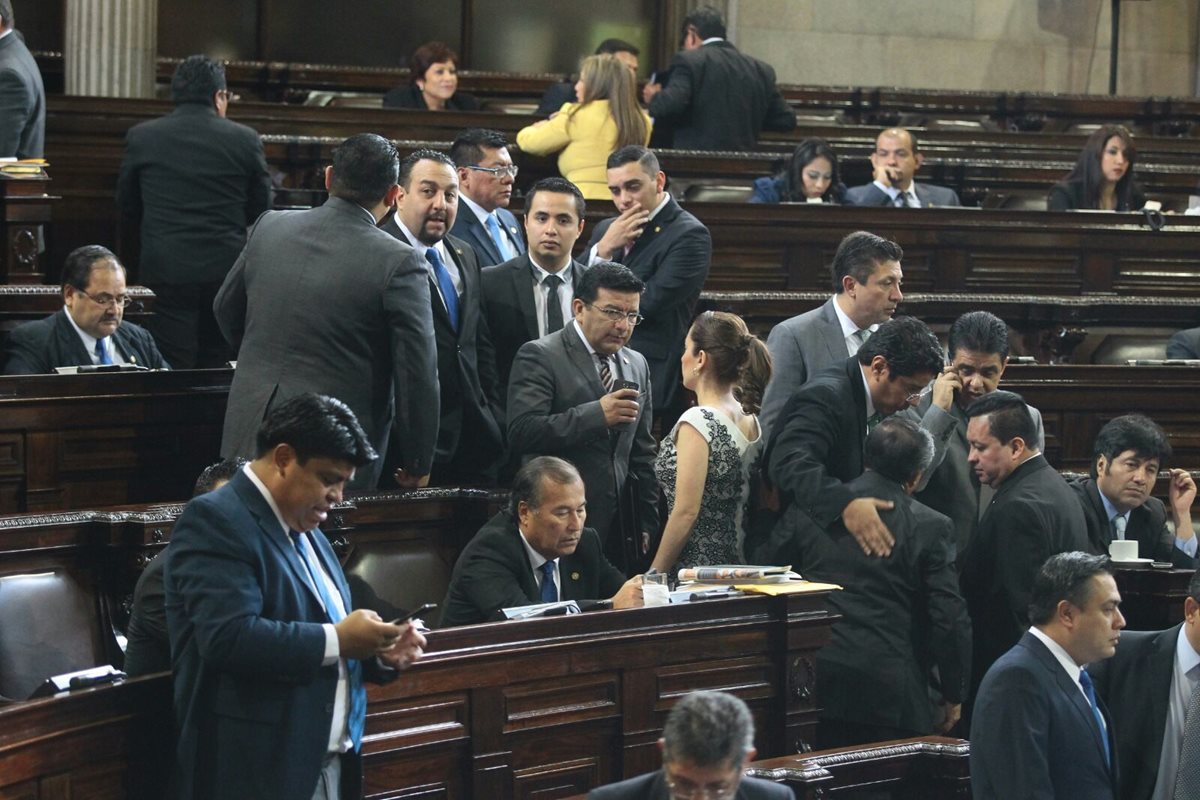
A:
{"points": [[1133, 562]]}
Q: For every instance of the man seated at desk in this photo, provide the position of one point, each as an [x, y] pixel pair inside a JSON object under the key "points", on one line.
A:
{"points": [[89, 329], [535, 551]]}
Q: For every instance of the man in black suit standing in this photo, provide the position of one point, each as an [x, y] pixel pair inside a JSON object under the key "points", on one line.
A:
{"points": [[670, 250], [1148, 687], [530, 296], [89, 329], [716, 97], [1126, 458], [22, 96], [485, 175], [195, 181], [470, 438]]}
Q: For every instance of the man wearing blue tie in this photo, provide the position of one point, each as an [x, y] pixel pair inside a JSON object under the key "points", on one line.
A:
{"points": [[269, 658], [486, 174]]}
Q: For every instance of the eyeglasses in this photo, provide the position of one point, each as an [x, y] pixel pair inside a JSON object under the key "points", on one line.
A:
{"points": [[915, 397], [121, 300], [496, 172], [689, 791], [616, 315]]}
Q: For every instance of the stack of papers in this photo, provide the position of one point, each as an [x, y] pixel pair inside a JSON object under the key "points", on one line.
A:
{"points": [[737, 574], [24, 168]]}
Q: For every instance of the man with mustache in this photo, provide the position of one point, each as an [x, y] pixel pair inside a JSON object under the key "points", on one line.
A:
{"points": [[470, 439], [894, 162], [89, 329]]}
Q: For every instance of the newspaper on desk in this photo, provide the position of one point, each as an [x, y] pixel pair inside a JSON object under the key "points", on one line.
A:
{"points": [[541, 610], [737, 573], [731, 580]]}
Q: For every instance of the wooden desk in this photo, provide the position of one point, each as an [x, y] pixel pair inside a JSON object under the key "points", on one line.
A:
{"points": [[24, 208]]}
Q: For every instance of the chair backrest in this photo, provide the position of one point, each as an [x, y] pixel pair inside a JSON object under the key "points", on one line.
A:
{"points": [[392, 577]]}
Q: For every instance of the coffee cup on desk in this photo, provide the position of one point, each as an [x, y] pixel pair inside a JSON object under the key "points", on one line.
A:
{"points": [[1123, 550], [655, 591]]}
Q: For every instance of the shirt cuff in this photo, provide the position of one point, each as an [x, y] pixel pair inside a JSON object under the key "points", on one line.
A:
{"points": [[332, 651], [1188, 546], [594, 256]]}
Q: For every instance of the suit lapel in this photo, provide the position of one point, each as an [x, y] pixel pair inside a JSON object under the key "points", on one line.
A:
{"points": [[653, 229], [481, 235], [1157, 678], [512, 232], [277, 540], [581, 358], [831, 332], [524, 286], [1096, 509], [1075, 696], [69, 343]]}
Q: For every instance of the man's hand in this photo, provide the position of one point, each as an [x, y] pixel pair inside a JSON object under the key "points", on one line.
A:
{"points": [[882, 174], [409, 481], [406, 650], [861, 518], [944, 388], [630, 594], [620, 407], [362, 634], [649, 90], [953, 713], [623, 232], [1182, 494]]}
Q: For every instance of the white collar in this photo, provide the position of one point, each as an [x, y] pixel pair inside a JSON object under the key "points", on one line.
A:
{"points": [[848, 326], [1110, 511], [541, 273], [867, 391], [421, 246], [89, 341], [1059, 652], [1186, 657], [712, 39], [477, 210], [661, 205], [266, 493], [536, 559]]}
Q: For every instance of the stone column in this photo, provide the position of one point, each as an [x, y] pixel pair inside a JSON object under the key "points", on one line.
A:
{"points": [[110, 47]]}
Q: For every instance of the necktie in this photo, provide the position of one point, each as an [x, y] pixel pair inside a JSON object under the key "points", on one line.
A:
{"points": [[102, 351], [859, 338], [902, 200], [1187, 779], [1118, 527], [1085, 681], [606, 376], [493, 226], [554, 314], [445, 284], [873, 420], [549, 591], [358, 693]]}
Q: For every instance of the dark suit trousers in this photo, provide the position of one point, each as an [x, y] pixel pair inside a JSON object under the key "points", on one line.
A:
{"points": [[184, 327]]}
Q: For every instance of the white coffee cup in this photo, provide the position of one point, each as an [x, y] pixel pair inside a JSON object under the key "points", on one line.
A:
{"points": [[1123, 550]]}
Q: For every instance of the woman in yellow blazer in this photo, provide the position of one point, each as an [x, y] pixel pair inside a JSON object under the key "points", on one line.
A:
{"points": [[607, 118]]}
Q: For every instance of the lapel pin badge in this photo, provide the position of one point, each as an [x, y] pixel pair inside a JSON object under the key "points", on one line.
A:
{"points": [[574, 576]]}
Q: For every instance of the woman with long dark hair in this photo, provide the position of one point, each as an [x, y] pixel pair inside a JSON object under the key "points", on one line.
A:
{"points": [[1103, 176], [811, 175]]}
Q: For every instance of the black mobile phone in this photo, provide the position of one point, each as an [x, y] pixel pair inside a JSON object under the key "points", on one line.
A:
{"points": [[416, 612], [619, 385]]}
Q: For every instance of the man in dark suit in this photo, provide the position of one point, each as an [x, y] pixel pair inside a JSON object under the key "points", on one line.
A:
{"points": [[535, 551], [89, 329], [564, 400], [470, 435], [485, 175], [1126, 458], [1033, 515], [557, 94], [866, 284], [707, 741], [269, 659], [22, 96], [1039, 730], [322, 300], [530, 296], [717, 98], [1147, 686], [194, 181], [670, 251], [1184, 344], [894, 162]]}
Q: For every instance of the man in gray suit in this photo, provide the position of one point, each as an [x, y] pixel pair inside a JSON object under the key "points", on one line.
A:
{"points": [[866, 285], [22, 96], [894, 163], [324, 301], [582, 395]]}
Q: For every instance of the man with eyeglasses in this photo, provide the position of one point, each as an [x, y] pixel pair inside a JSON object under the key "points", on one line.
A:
{"points": [[707, 741], [485, 176], [581, 394], [90, 328]]}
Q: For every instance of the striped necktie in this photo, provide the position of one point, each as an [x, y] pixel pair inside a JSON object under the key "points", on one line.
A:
{"points": [[606, 376]]}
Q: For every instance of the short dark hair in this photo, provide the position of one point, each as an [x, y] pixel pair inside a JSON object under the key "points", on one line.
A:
{"points": [[216, 473], [859, 255], [1193, 589], [426, 56], [607, 275], [980, 332], [614, 46], [468, 145], [6, 14], [1008, 417], [630, 153], [1135, 432], [424, 154], [898, 449], [316, 426], [77, 269], [1064, 576], [557, 186], [527, 483], [708, 729], [196, 80], [908, 346], [364, 169], [707, 21]]}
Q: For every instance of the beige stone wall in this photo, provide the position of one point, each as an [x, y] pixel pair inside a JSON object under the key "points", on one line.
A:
{"points": [[1015, 45]]}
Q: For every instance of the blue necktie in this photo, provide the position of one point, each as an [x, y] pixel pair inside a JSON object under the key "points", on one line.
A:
{"points": [[449, 294], [1085, 681], [358, 693], [493, 226], [102, 352], [549, 591]]}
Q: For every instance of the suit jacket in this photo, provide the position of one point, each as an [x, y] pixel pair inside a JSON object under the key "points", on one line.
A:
{"points": [[1136, 684], [193, 220], [1147, 524], [466, 365], [672, 257], [1068, 196], [554, 410], [38, 347], [468, 228], [929, 195], [720, 99], [800, 348], [899, 615], [555, 96], [323, 301], [1184, 344], [22, 101], [411, 97], [1034, 735], [148, 649], [653, 786], [493, 572], [1033, 516], [253, 702], [509, 309]]}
